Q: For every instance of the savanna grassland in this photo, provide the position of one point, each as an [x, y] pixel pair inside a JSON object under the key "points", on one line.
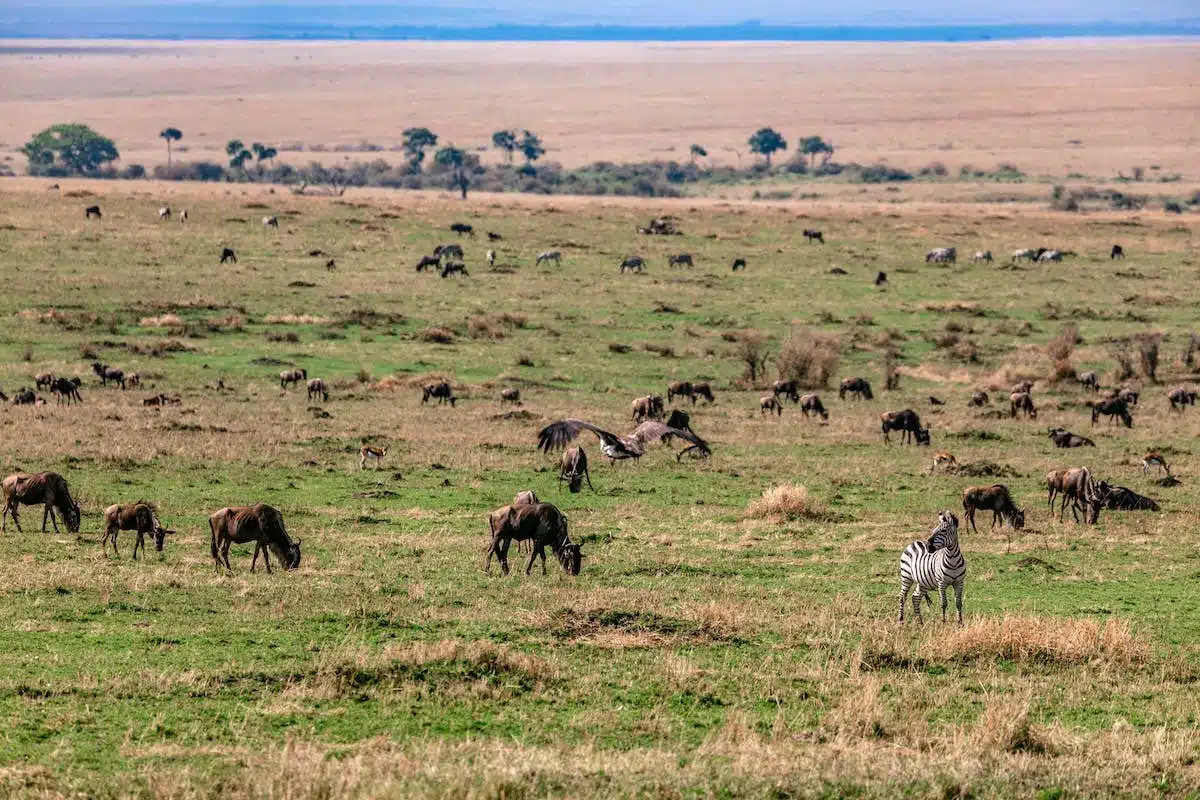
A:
{"points": [[711, 646]]}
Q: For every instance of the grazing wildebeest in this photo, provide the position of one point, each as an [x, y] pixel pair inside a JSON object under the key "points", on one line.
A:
{"points": [[1117, 252], [648, 407], [1065, 439], [739, 263], [291, 377], [44, 380], [996, 499], [909, 425], [448, 251], [789, 389], [943, 459], [510, 395], [1050, 256], [331, 265], [1089, 380], [543, 524], [373, 454], [1156, 460], [573, 468], [462, 228], [317, 389], [1113, 407], [814, 236], [133, 379], [67, 390], [982, 255], [1022, 387], [494, 237], [1023, 402], [769, 404], [429, 261], [258, 523], [107, 373], [164, 212], [933, 401], [979, 399], [1025, 253], [454, 267], [228, 255], [139, 517], [162, 399], [881, 278], [1128, 395], [48, 489], [857, 387], [633, 263], [525, 496], [549, 255], [91, 211], [441, 391], [1054, 485], [811, 404], [1085, 493], [680, 260], [690, 391], [1180, 397], [24, 397], [942, 255], [270, 222]]}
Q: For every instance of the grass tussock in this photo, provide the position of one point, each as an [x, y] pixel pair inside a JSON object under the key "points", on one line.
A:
{"points": [[955, 307], [296, 319], [162, 321], [809, 357], [437, 335], [1005, 726], [787, 501], [1053, 640]]}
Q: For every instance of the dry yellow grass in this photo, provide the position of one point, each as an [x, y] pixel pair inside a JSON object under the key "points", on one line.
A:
{"points": [[786, 502], [1051, 107]]}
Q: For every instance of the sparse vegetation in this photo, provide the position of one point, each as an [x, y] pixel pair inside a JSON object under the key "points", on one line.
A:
{"points": [[809, 358]]}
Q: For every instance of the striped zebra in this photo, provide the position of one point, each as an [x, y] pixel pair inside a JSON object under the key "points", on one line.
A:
{"points": [[934, 564]]}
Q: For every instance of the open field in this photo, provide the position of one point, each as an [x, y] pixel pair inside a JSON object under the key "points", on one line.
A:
{"points": [[1050, 107], [703, 651]]}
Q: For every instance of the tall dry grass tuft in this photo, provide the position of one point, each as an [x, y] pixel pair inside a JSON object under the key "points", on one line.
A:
{"points": [[1005, 726], [750, 348], [1148, 345], [162, 321], [809, 358], [1059, 350], [1054, 640], [787, 501], [859, 713]]}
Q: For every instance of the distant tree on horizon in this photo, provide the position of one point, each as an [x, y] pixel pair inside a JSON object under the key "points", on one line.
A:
{"points": [[505, 141], [455, 159], [238, 155], [263, 153], [813, 146], [416, 142], [766, 141], [696, 151], [531, 147], [68, 149], [171, 135]]}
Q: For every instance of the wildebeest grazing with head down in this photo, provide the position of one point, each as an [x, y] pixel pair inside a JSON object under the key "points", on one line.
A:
{"points": [[291, 377], [811, 404], [429, 262], [789, 389], [573, 468], [942, 255], [542, 523], [461, 228], [1089, 380], [510, 395], [441, 391], [258, 523], [1022, 402], [1117, 252], [317, 390], [549, 255], [1112, 407], [633, 264], [450, 268], [48, 489], [909, 425], [107, 373], [139, 517], [648, 407], [770, 404], [494, 237], [1085, 494], [995, 498], [855, 387], [227, 254], [814, 236], [449, 251], [1180, 397], [91, 211]]}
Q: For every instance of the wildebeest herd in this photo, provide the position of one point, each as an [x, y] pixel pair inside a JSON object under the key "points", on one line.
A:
{"points": [[935, 563]]}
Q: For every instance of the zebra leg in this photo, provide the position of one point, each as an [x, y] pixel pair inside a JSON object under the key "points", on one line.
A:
{"points": [[916, 601], [905, 586], [958, 594], [942, 594]]}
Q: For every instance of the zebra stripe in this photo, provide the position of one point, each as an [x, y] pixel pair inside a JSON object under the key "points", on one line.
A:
{"points": [[934, 564]]}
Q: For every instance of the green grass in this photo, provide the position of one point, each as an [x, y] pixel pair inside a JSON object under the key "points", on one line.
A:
{"points": [[701, 652]]}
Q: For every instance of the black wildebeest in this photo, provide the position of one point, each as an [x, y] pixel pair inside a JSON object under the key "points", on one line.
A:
{"points": [[426, 262], [67, 390], [441, 391], [291, 377], [448, 251], [1112, 407], [461, 228], [227, 254], [541, 523], [909, 425], [811, 404], [680, 260], [633, 264], [814, 236], [139, 517], [856, 387], [573, 468], [1117, 252], [453, 267], [881, 279], [1180, 397], [48, 489], [107, 373], [1064, 438], [494, 237], [258, 523], [996, 499], [91, 211]]}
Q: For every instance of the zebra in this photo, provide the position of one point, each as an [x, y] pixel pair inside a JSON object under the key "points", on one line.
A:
{"points": [[936, 563]]}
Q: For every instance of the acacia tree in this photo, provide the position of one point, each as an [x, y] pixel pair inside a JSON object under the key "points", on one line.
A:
{"points": [[766, 141], [531, 147], [505, 141], [453, 158], [263, 153], [171, 135], [696, 151], [69, 149], [416, 142], [813, 146], [238, 155]]}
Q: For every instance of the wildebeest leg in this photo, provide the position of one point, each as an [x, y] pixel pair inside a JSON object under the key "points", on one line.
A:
{"points": [[48, 511], [971, 519], [995, 517], [140, 541], [502, 557], [533, 554], [589, 479], [225, 554]]}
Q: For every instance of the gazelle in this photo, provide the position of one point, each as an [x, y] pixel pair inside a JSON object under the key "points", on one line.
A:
{"points": [[1154, 460], [942, 460], [372, 454]]}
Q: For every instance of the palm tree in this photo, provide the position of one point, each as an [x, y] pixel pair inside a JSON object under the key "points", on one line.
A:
{"points": [[171, 135]]}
